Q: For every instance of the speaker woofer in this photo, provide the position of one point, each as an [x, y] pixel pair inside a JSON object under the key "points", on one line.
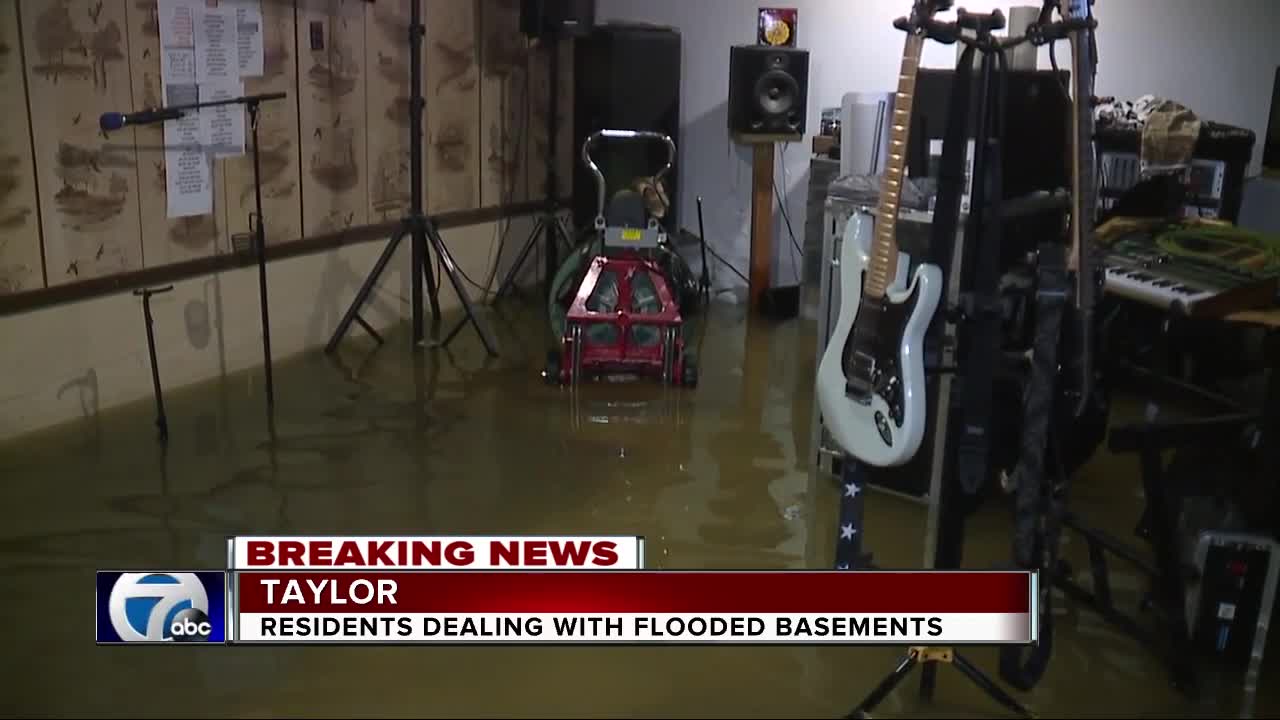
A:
{"points": [[776, 92]]}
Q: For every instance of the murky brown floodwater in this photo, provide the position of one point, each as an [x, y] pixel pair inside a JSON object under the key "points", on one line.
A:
{"points": [[393, 442]]}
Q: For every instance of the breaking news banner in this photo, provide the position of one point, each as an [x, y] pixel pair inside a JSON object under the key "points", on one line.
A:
{"points": [[161, 606], [426, 553], [636, 607]]}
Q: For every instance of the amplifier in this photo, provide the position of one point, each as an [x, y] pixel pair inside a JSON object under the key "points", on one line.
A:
{"points": [[1218, 143], [1205, 180], [1229, 606]]}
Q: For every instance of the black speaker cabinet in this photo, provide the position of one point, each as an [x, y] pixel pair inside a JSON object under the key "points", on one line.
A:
{"points": [[768, 90], [557, 17], [626, 77]]}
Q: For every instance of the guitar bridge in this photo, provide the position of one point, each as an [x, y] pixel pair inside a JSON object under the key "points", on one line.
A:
{"points": [[860, 377]]}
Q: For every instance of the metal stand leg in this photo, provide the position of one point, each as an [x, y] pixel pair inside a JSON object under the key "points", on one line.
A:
{"points": [[509, 282], [988, 686], [886, 686], [362, 296]]}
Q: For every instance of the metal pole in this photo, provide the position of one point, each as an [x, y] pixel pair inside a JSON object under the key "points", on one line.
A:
{"points": [[418, 237], [260, 238], [553, 181]]}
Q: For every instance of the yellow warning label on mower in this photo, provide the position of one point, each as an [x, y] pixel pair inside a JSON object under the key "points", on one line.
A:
{"points": [[632, 235]]}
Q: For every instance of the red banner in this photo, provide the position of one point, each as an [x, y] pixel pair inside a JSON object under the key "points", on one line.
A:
{"points": [[634, 592]]}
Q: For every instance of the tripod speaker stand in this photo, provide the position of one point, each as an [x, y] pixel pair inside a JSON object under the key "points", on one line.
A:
{"points": [[420, 229], [549, 226]]}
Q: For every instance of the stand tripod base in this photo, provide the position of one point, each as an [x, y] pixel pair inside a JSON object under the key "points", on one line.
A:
{"points": [[553, 227], [422, 233], [928, 654]]}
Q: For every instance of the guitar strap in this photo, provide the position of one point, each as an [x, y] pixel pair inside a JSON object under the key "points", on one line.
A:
{"points": [[951, 174], [1035, 526], [980, 290]]}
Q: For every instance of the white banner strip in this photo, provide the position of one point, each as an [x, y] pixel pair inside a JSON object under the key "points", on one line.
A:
{"points": [[703, 629], [460, 552]]}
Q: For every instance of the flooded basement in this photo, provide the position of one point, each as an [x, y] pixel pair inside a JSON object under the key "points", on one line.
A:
{"points": [[390, 441]]}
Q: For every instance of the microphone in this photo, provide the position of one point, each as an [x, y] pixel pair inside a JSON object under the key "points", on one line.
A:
{"points": [[115, 121]]}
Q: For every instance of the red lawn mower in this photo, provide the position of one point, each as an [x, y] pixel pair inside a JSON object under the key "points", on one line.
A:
{"points": [[612, 302]]}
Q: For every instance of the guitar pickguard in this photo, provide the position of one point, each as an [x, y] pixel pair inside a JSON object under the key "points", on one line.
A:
{"points": [[871, 361]]}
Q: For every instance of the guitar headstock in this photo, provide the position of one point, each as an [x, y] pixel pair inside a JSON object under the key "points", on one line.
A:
{"points": [[926, 9], [922, 12]]}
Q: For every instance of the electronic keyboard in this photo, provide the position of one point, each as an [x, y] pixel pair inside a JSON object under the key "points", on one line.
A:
{"points": [[1192, 286]]}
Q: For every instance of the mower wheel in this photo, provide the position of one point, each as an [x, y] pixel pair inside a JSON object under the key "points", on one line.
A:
{"points": [[552, 372], [690, 374]]}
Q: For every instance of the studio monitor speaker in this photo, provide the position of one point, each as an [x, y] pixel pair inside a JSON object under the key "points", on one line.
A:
{"points": [[768, 90], [539, 18]]}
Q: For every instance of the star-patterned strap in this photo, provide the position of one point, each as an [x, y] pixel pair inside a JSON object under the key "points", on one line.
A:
{"points": [[849, 542]]}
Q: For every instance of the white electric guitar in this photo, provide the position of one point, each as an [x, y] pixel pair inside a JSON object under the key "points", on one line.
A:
{"points": [[870, 385]]}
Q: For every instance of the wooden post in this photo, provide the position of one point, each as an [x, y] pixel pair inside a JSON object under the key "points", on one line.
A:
{"points": [[761, 221]]}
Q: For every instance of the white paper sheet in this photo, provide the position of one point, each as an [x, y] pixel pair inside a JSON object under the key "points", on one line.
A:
{"points": [[177, 42], [217, 45], [177, 23], [188, 172], [222, 127], [249, 34]]}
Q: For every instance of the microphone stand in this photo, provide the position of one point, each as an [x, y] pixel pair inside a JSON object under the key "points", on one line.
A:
{"points": [[260, 247], [162, 422], [253, 104]]}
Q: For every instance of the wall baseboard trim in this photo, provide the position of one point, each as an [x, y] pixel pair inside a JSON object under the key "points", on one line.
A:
{"points": [[167, 274]]}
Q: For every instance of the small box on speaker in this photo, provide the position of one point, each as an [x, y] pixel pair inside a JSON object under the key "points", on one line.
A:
{"points": [[777, 27]]}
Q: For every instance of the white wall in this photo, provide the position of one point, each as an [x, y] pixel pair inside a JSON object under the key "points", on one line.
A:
{"points": [[1218, 58], [73, 360]]}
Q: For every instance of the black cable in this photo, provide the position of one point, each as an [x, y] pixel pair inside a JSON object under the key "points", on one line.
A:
{"points": [[787, 218], [522, 136], [1057, 73], [728, 264]]}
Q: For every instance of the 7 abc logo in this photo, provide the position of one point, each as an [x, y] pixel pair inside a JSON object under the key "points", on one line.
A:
{"points": [[160, 607]]}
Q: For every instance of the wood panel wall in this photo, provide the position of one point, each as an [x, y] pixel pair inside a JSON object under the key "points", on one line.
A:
{"points": [[21, 264], [77, 66], [277, 133], [76, 203], [453, 111]]}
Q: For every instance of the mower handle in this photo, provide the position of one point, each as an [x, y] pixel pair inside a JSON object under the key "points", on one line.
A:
{"points": [[623, 135]]}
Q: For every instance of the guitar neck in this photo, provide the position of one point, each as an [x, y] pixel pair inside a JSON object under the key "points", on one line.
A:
{"points": [[1082, 170], [883, 266]]}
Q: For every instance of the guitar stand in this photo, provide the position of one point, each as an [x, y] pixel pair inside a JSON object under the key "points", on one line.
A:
{"points": [[421, 229], [931, 656], [162, 423], [980, 313]]}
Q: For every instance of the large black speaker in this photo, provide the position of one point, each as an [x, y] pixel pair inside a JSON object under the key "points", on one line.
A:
{"points": [[557, 17], [626, 77], [768, 90]]}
